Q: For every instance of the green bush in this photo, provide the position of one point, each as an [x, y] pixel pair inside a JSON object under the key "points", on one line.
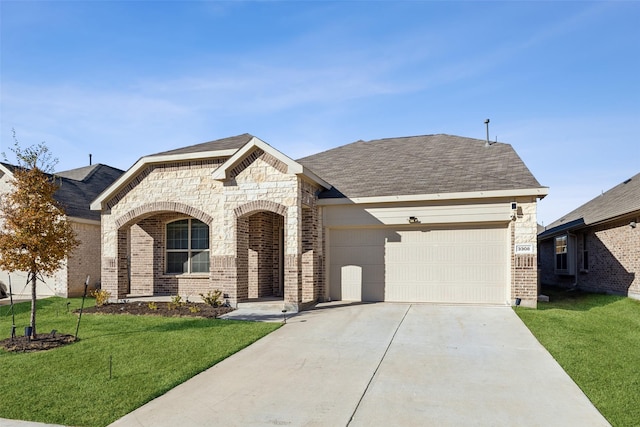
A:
{"points": [[101, 296], [213, 298]]}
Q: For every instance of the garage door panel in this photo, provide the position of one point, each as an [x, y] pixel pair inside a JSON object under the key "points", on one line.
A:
{"points": [[440, 265], [359, 255]]}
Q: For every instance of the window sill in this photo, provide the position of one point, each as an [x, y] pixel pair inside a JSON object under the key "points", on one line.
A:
{"points": [[564, 273], [185, 275]]}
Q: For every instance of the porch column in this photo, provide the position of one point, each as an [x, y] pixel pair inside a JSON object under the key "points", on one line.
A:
{"points": [[292, 259], [114, 274]]}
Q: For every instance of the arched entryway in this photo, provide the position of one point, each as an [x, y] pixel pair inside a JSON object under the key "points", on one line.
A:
{"points": [[260, 252]]}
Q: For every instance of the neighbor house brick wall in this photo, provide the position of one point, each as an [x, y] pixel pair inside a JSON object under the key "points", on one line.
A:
{"points": [[524, 268], [84, 260], [68, 281], [613, 253], [614, 258]]}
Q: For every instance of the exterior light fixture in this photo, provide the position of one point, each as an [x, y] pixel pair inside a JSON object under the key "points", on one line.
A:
{"points": [[414, 220], [632, 224]]}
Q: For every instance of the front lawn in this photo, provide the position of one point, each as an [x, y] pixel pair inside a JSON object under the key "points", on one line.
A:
{"points": [[149, 355], [596, 340]]}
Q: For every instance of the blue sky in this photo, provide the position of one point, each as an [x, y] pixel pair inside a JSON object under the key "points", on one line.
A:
{"points": [[560, 81]]}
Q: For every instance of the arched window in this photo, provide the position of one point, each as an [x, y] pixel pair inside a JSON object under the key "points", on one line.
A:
{"points": [[187, 246]]}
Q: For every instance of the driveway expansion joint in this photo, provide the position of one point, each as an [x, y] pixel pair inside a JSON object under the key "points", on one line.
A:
{"points": [[375, 371]]}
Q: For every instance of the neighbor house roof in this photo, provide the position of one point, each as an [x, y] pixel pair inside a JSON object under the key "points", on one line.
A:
{"points": [[78, 187], [621, 200], [417, 165]]}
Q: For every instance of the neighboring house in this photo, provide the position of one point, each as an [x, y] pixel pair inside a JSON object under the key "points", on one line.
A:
{"points": [[434, 218], [597, 246], [78, 187]]}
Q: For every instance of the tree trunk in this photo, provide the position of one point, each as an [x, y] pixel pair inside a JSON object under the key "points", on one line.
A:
{"points": [[33, 304]]}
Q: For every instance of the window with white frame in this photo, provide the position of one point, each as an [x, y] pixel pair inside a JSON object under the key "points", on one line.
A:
{"points": [[565, 252], [187, 247], [561, 252]]}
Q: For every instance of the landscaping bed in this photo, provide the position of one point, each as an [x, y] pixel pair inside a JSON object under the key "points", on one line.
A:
{"points": [[167, 309], [52, 340]]}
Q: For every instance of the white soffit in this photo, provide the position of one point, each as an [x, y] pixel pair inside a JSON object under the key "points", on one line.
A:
{"points": [[538, 192]]}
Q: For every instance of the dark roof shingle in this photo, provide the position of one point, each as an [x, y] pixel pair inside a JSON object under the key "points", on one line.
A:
{"points": [[78, 187], [230, 143], [428, 164], [622, 199]]}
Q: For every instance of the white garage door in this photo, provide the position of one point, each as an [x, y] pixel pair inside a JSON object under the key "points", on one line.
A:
{"points": [[419, 265]]}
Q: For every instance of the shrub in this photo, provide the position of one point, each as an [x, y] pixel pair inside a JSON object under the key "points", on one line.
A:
{"points": [[214, 299], [176, 302], [101, 296], [152, 305], [194, 309]]}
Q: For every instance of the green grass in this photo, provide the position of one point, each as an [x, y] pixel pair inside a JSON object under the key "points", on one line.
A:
{"points": [[596, 339], [150, 355]]}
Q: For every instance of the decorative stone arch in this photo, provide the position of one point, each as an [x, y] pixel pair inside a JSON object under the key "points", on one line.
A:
{"points": [[260, 248], [260, 205], [157, 207]]}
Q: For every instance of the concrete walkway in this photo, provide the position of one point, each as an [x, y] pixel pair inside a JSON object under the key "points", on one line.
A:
{"points": [[382, 364]]}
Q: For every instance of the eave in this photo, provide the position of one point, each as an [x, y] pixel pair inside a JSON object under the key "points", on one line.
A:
{"points": [[539, 192]]}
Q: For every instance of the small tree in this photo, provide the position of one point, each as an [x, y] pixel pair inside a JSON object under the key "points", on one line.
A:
{"points": [[35, 235]]}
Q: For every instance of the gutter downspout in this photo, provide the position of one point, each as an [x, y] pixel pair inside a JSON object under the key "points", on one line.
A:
{"points": [[575, 265]]}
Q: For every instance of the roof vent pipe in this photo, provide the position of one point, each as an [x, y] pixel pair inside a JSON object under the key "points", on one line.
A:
{"points": [[486, 122], [89, 159]]}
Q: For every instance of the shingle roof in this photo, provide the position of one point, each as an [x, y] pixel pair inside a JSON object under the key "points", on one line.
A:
{"points": [[622, 199], [230, 143], [428, 164], [78, 187]]}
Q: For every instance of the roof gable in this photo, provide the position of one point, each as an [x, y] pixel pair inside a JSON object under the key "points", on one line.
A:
{"points": [[233, 149], [290, 166], [418, 165]]}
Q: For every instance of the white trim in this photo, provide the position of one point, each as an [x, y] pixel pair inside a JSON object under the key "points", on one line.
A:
{"points": [[538, 192], [97, 204], [5, 170]]}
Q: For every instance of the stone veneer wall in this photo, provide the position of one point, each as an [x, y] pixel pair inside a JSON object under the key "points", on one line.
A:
{"points": [[259, 183], [524, 267]]}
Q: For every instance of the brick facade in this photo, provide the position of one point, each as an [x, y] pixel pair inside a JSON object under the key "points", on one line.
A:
{"points": [[524, 269], [612, 252], [259, 230], [266, 236]]}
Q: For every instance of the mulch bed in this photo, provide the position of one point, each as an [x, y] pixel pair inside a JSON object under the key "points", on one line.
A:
{"points": [[39, 343], [166, 309]]}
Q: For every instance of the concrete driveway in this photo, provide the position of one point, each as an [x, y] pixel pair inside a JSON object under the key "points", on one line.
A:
{"points": [[382, 364]]}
